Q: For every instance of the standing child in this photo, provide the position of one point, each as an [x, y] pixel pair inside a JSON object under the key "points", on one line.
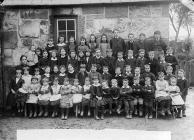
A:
{"points": [[128, 75], [16, 83], [26, 77], [153, 62], [44, 61], [93, 73], [82, 74], [66, 99], [86, 96], [110, 61], [61, 44], [162, 64], [50, 46], [141, 60], [130, 45], [147, 73], [106, 75], [73, 60], [55, 72], [53, 59], [137, 73], [88, 60], [107, 95], [118, 76], [63, 58], [71, 73], [115, 93], [83, 45], [104, 45], [137, 93], [92, 44], [38, 52], [47, 74], [162, 96], [169, 73], [126, 98], [44, 97], [32, 101], [130, 60], [72, 45], [183, 85], [148, 97], [97, 99], [98, 60], [55, 97], [37, 74], [120, 62], [62, 74], [81, 58]]}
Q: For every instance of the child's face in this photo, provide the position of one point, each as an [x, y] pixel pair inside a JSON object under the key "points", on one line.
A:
{"points": [[118, 71], [169, 51], [83, 41], [173, 82], [71, 40], [136, 81], [54, 54], [147, 68], [98, 53], [18, 73], [114, 84], [157, 36], [45, 54], [33, 48], [162, 58], [50, 42], [26, 71], [131, 37], [141, 54], [81, 54], [130, 54], [87, 81], [104, 84], [137, 71], [141, 37], [92, 38], [24, 60], [93, 69], [55, 69], [72, 54], [180, 74], [169, 70], [161, 77], [116, 33], [120, 55], [56, 82], [151, 55], [66, 82], [37, 72], [63, 52], [61, 39], [38, 52], [47, 70], [45, 83], [95, 81], [147, 82], [128, 69], [125, 83], [87, 53], [70, 68], [105, 70], [34, 81], [104, 38], [82, 69], [109, 53], [76, 82], [62, 70]]}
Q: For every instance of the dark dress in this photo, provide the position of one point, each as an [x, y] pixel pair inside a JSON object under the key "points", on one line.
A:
{"points": [[137, 91], [63, 61], [96, 91], [81, 77], [88, 61], [107, 95], [99, 62]]}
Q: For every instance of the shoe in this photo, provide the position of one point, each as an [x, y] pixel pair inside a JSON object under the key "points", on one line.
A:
{"points": [[150, 117], [97, 118], [25, 114], [56, 114], [140, 113], [89, 114], [127, 116], [40, 114], [30, 116], [62, 117], [118, 111], [35, 115], [169, 113], [184, 115], [46, 114], [82, 114], [102, 117], [65, 118], [135, 112], [162, 113], [53, 115]]}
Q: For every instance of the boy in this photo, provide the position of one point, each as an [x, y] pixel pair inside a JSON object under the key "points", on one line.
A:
{"points": [[106, 75], [149, 74], [120, 62], [128, 75], [171, 59], [153, 62], [141, 60], [130, 60], [88, 60], [82, 74], [118, 76], [117, 43], [110, 61], [98, 60], [127, 98], [148, 97], [130, 45], [141, 44], [169, 71], [137, 93], [115, 93], [93, 73]]}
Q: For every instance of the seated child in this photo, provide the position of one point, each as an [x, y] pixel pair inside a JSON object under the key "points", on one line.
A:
{"points": [[110, 61], [32, 101], [44, 97], [71, 73], [128, 75], [183, 85], [107, 96], [115, 93], [93, 73], [82, 74], [62, 74], [120, 62], [127, 98], [66, 99], [44, 61], [53, 59], [26, 76], [118, 76], [97, 100], [141, 60], [37, 74], [161, 95], [73, 60], [86, 97], [147, 73], [106, 75], [55, 97], [63, 58], [130, 60], [137, 93], [148, 97]]}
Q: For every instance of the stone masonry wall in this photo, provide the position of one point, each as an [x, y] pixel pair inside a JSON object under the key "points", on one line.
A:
{"points": [[24, 27]]}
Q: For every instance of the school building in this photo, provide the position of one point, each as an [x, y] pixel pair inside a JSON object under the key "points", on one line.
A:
{"points": [[27, 22]]}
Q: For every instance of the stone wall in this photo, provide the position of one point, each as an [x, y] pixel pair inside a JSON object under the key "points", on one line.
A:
{"points": [[24, 27]]}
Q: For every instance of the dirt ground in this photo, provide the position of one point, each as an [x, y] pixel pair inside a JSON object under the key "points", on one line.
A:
{"points": [[181, 129]]}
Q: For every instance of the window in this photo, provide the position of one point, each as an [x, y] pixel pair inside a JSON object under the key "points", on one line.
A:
{"points": [[66, 27]]}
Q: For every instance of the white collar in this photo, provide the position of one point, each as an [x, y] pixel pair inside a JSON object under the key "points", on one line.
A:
{"points": [[130, 57], [125, 87], [96, 85], [120, 59], [52, 58], [62, 74], [118, 75], [47, 74], [71, 71]]}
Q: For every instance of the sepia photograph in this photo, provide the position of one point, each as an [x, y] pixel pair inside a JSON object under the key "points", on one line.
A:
{"points": [[96, 69]]}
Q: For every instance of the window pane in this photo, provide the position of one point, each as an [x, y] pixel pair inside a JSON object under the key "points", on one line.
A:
{"points": [[71, 33], [70, 25], [62, 34], [61, 25]]}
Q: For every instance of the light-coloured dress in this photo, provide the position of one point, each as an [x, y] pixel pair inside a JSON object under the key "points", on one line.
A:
{"points": [[55, 96], [161, 88], [103, 47], [45, 94], [33, 91], [27, 80], [77, 95], [174, 92], [86, 94], [66, 96]]}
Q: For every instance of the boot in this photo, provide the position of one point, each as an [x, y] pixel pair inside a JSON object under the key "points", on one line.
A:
{"points": [[184, 114], [41, 112], [96, 114], [35, 114]]}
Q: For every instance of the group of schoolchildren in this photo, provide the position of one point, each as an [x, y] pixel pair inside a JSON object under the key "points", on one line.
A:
{"points": [[96, 79]]}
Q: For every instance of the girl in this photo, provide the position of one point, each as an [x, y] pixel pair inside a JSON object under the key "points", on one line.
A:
{"points": [[26, 77], [37, 74], [55, 97], [76, 90], [81, 58], [50, 46], [47, 74], [73, 60], [23, 61], [107, 95], [61, 43], [83, 45], [33, 97], [97, 99], [71, 73], [183, 85], [62, 74], [53, 59], [72, 45], [82, 74], [88, 60], [44, 61], [63, 58], [55, 72], [92, 44], [161, 94], [44, 97], [130, 60], [21, 98], [66, 99], [16, 83], [38, 52], [86, 96], [104, 45]]}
